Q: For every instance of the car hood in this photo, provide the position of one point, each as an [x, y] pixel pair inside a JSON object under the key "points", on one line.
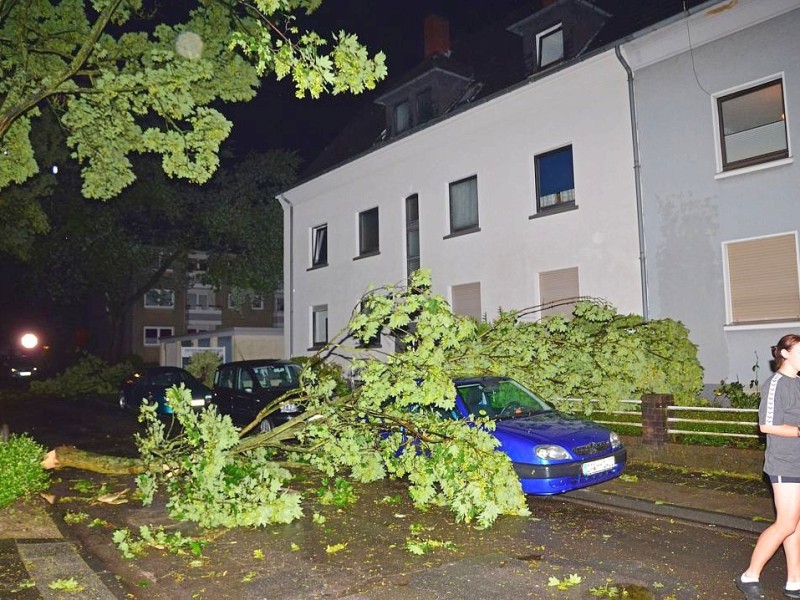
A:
{"points": [[551, 428]]}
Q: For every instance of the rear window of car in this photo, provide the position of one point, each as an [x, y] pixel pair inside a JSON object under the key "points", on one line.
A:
{"points": [[276, 375]]}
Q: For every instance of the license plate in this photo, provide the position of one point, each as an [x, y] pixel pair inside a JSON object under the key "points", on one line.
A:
{"points": [[195, 402], [598, 466]]}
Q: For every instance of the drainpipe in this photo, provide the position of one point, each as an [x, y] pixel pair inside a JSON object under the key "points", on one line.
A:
{"points": [[290, 280], [637, 175]]}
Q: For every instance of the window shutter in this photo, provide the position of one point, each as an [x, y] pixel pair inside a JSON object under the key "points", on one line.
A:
{"points": [[557, 286], [467, 300], [763, 279]]}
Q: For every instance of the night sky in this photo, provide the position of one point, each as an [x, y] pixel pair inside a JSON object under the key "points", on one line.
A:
{"points": [[276, 119]]}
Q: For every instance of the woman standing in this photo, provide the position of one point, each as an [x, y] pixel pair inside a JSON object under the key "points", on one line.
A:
{"points": [[779, 417]]}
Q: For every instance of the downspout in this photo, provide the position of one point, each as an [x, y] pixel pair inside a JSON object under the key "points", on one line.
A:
{"points": [[637, 177], [290, 281]]}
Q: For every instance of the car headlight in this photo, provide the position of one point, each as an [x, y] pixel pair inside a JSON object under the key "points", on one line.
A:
{"points": [[551, 452], [614, 439], [289, 407]]}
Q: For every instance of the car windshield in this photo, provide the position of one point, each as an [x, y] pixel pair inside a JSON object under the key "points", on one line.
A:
{"points": [[277, 375], [499, 398]]}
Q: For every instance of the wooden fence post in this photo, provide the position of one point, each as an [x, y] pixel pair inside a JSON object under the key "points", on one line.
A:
{"points": [[654, 419]]}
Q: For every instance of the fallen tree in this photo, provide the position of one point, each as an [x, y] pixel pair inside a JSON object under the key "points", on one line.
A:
{"points": [[386, 423]]}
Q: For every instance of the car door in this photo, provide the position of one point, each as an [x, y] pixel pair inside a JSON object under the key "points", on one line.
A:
{"points": [[244, 401], [224, 380]]}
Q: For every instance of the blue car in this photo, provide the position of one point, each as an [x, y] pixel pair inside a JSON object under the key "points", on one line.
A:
{"points": [[151, 385], [552, 452]]}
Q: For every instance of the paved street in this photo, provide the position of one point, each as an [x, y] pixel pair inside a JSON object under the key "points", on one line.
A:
{"points": [[606, 548]]}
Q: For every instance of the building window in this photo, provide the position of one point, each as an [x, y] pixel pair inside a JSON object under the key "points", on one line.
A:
{"points": [[368, 238], [319, 326], [424, 106], [277, 310], [153, 334], [466, 300], [752, 126], [555, 179], [412, 234], [464, 205], [319, 246], [232, 302], [158, 298], [762, 279], [200, 299], [558, 291], [402, 117], [550, 46], [256, 302]]}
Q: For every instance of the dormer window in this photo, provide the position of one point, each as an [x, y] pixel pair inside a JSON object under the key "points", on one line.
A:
{"points": [[424, 106], [402, 117], [549, 46]]}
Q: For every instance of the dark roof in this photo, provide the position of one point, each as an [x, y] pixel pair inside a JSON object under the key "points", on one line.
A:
{"points": [[493, 58]]}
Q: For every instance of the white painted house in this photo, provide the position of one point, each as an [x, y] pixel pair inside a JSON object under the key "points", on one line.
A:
{"points": [[515, 198]]}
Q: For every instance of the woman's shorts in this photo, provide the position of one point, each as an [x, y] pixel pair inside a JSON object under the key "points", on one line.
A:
{"points": [[782, 479]]}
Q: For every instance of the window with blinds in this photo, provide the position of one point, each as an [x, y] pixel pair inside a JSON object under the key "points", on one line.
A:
{"points": [[763, 280], [558, 291], [466, 300]]}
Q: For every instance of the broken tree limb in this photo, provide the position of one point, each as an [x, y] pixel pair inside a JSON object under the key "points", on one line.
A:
{"points": [[72, 457]]}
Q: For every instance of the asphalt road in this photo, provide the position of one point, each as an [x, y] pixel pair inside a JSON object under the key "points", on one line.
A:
{"points": [[609, 551]]}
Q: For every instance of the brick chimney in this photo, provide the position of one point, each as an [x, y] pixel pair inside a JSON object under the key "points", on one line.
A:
{"points": [[437, 35], [546, 3]]}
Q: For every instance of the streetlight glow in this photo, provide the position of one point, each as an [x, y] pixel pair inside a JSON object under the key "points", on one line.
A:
{"points": [[29, 341]]}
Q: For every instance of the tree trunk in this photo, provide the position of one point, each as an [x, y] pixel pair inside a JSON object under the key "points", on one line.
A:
{"points": [[72, 457]]}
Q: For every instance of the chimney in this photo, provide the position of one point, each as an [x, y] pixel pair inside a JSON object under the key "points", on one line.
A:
{"points": [[437, 35], [546, 3]]}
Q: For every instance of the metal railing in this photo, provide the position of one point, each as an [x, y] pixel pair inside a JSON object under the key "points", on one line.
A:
{"points": [[677, 424]]}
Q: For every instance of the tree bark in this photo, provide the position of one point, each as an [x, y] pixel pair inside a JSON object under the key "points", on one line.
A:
{"points": [[72, 457]]}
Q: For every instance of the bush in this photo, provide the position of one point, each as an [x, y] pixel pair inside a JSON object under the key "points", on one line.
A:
{"points": [[202, 365], [90, 376], [325, 370], [20, 464]]}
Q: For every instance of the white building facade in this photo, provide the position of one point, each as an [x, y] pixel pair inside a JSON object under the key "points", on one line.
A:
{"points": [[522, 199]]}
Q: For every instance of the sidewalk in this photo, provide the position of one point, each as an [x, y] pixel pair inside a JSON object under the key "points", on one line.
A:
{"points": [[34, 549]]}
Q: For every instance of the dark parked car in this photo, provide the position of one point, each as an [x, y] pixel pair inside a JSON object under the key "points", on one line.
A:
{"points": [[552, 452], [151, 385], [242, 389], [21, 368]]}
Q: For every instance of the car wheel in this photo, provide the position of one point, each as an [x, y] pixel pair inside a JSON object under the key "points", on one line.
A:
{"points": [[123, 402], [265, 426]]}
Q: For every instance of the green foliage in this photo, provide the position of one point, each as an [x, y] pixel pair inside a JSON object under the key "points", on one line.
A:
{"points": [[202, 365], [339, 493], [131, 546], [566, 583], [392, 423], [325, 370], [156, 89], [207, 480], [737, 395], [70, 585], [597, 354], [89, 376], [20, 464]]}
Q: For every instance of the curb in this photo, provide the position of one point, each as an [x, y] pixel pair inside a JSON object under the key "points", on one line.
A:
{"points": [[664, 509]]}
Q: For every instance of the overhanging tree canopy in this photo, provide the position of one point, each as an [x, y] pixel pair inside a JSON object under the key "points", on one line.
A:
{"points": [[123, 84]]}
